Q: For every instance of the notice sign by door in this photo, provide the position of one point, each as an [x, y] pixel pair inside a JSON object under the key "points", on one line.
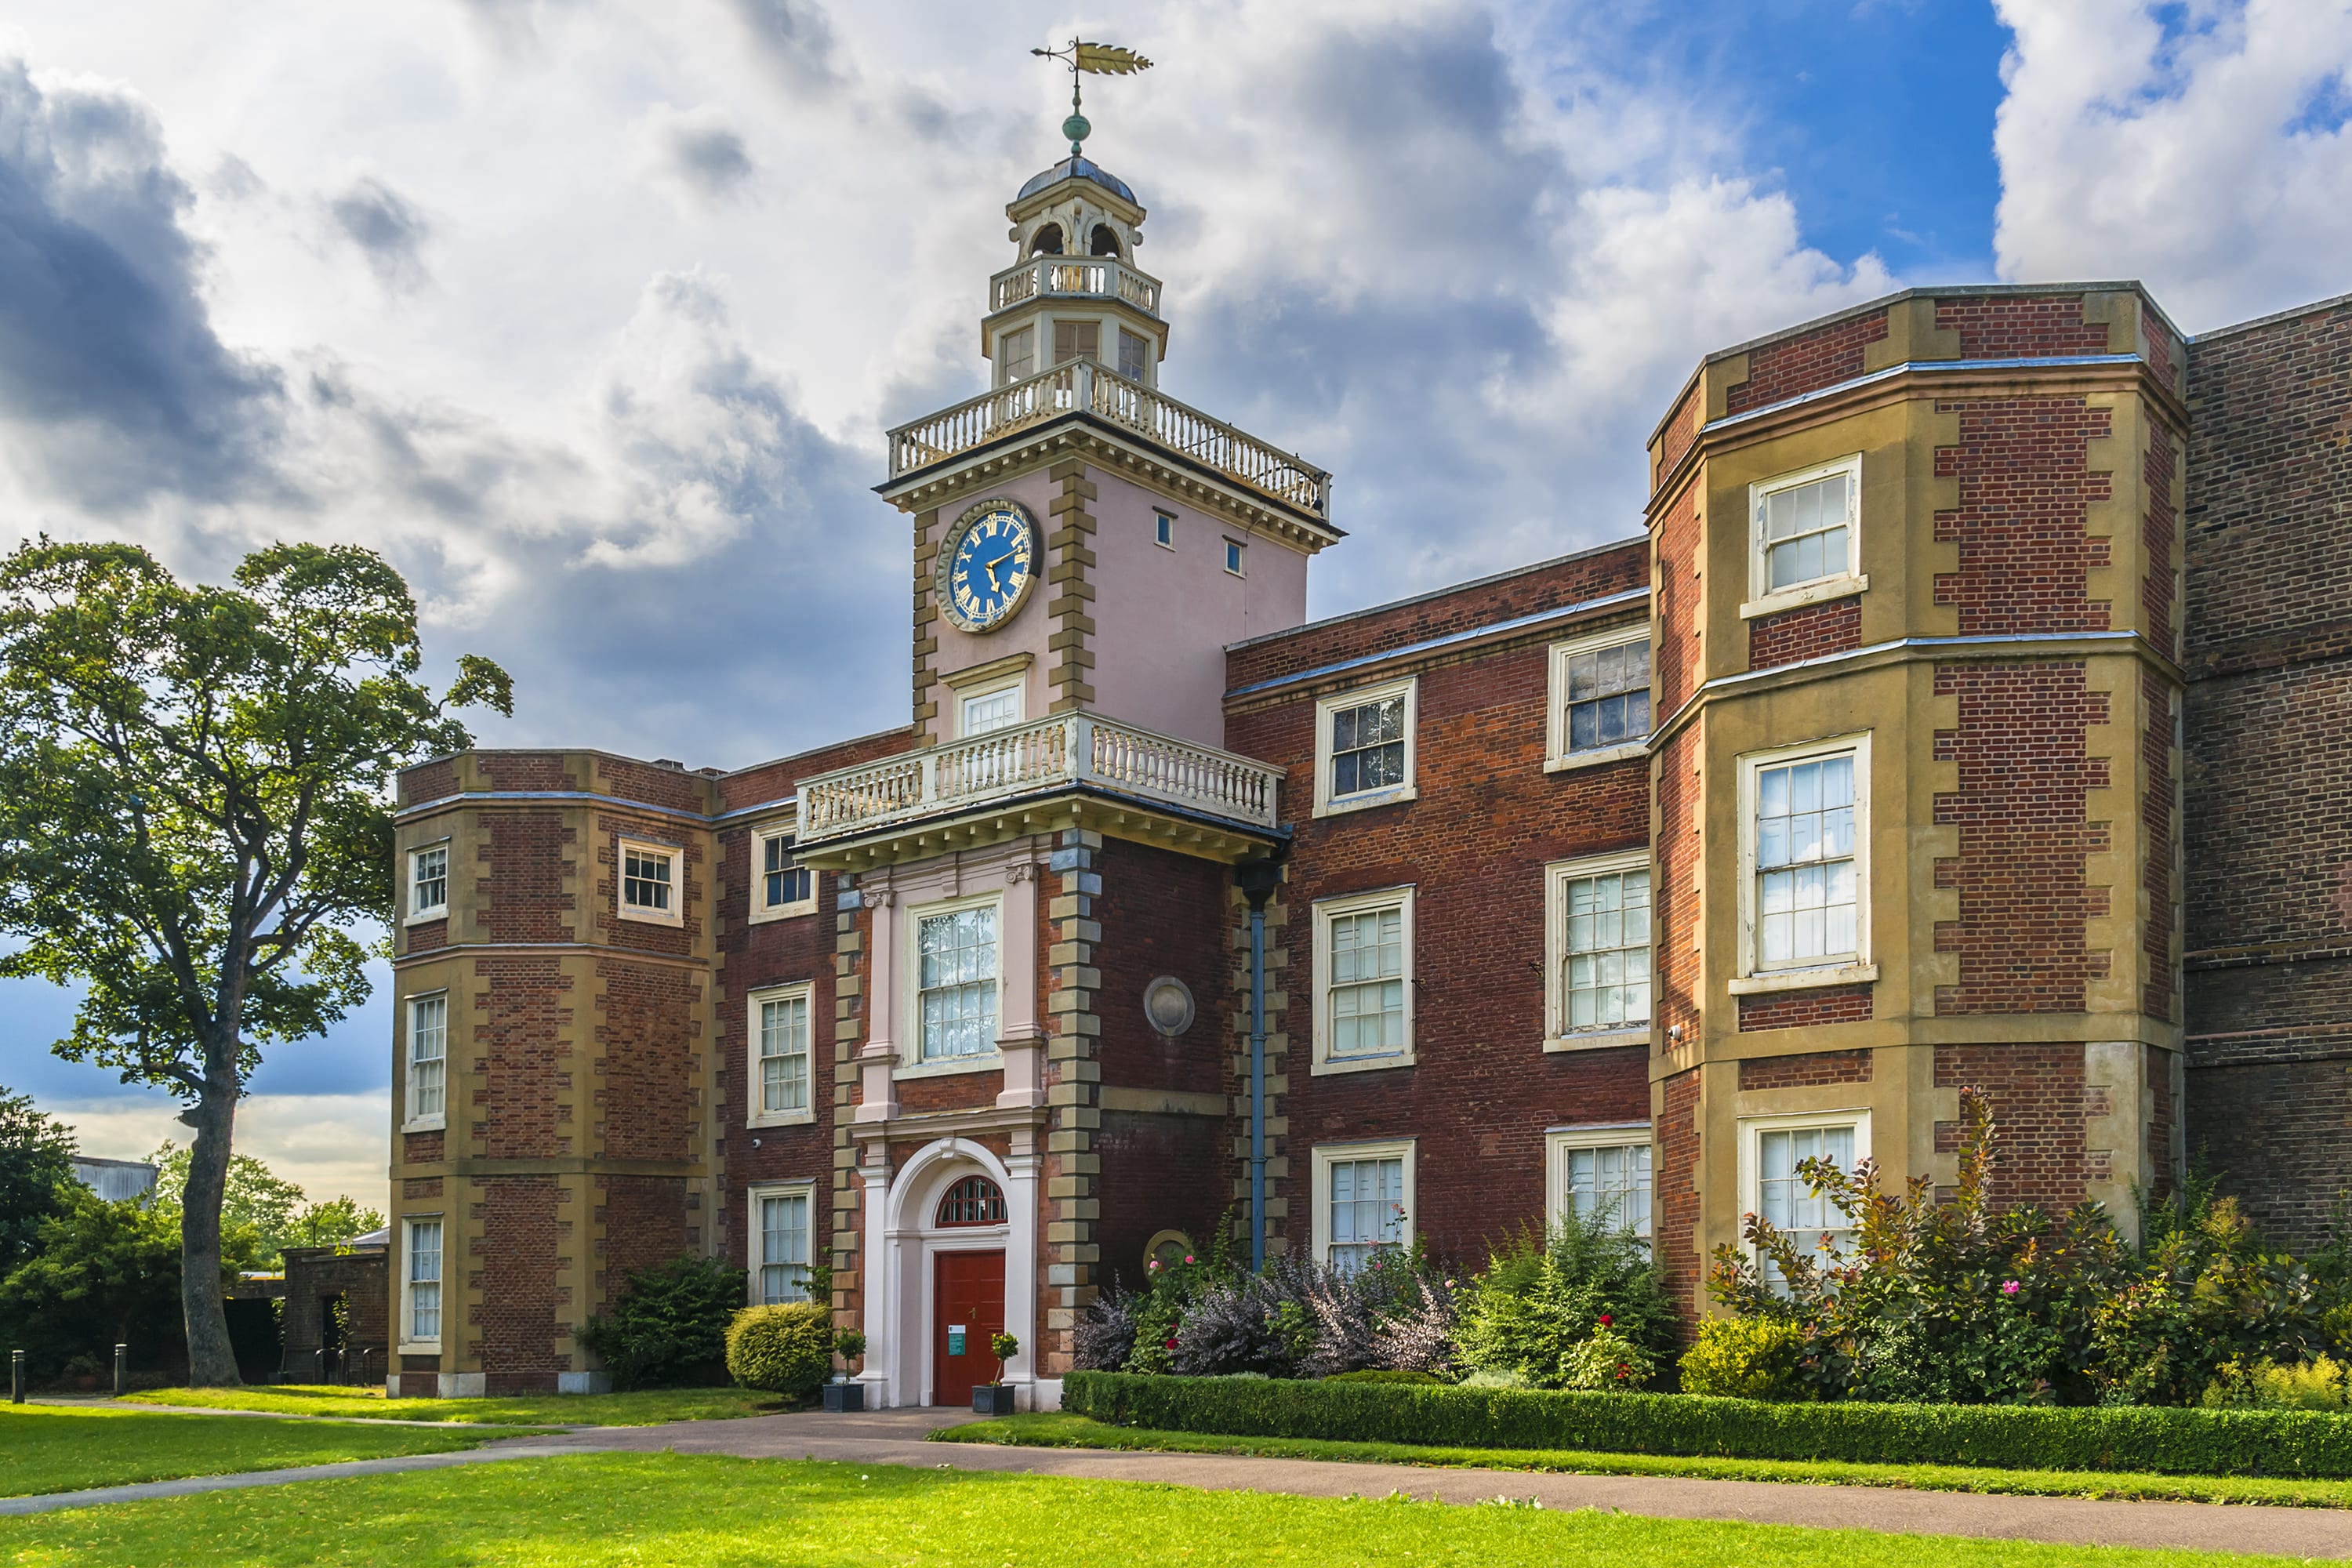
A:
{"points": [[955, 1339]]}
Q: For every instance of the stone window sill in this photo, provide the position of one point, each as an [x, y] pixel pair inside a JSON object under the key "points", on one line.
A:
{"points": [[426, 1124], [1326, 1067], [1598, 1039], [1819, 593], [1397, 796], [1803, 979], [426, 917], [783, 1118], [947, 1066], [1593, 759]]}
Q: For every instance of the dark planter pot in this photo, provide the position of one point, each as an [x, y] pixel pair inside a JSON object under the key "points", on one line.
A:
{"points": [[848, 1396], [992, 1399]]}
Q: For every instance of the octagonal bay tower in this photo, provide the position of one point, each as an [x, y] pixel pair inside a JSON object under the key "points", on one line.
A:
{"points": [[1916, 770]]}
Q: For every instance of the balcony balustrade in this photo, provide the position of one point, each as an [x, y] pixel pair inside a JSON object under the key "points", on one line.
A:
{"points": [[1084, 386], [1072, 749], [1077, 277]]}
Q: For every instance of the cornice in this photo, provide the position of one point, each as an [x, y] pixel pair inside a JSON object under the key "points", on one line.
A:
{"points": [[1904, 381], [1083, 434], [583, 949], [1913, 651]]}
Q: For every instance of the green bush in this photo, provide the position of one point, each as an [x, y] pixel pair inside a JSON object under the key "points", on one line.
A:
{"points": [[1608, 1363], [1545, 1294], [1746, 1358], [1383, 1374], [783, 1349], [2303, 1443], [670, 1325]]}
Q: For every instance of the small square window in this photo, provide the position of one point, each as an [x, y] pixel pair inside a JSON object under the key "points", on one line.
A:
{"points": [[783, 887], [1599, 697], [1804, 537], [1076, 340], [1163, 531], [997, 709], [649, 890], [1364, 748], [1601, 1171], [1233, 557], [428, 881]]}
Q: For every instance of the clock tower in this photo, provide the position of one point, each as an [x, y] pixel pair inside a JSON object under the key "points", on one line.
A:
{"points": [[1038, 918]]}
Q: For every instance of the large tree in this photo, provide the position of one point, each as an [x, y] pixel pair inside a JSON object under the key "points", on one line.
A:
{"points": [[193, 815], [37, 1155]]}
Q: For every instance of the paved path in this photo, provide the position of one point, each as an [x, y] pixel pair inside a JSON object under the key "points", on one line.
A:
{"points": [[895, 1438]]}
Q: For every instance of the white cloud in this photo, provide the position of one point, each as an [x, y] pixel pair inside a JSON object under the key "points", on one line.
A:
{"points": [[327, 1144], [2202, 149]]}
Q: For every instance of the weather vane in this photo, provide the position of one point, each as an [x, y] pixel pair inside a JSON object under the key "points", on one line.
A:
{"points": [[1103, 59]]}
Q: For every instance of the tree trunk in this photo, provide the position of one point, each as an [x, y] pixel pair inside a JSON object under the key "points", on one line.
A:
{"points": [[212, 1360]]}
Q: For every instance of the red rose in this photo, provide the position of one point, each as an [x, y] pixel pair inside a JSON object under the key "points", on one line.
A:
{"points": [[1606, 1320], [1169, 1345]]}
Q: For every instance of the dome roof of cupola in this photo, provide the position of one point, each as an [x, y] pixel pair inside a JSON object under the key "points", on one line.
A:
{"points": [[1077, 168]]}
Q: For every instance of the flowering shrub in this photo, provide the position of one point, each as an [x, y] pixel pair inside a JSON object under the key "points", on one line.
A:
{"points": [[1607, 1361], [1544, 1296], [1961, 1303]]}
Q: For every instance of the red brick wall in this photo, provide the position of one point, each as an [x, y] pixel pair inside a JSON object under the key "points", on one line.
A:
{"points": [[1673, 1216], [2025, 491], [1678, 1000], [647, 1036], [646, 1220], [1808, 1071], [519, 891], [2268, 766], [1595, 574], [1804, 1010], [1809, 631], [427, 781], [673, 788], [421, 1148], [2163, 1117], [2159, 537], [1475, 844], [513, 1328], [2020, 326], [1806, 362], [2037, 1111], [2024, 778], [521, 1062], [525, 771], [1675, 663], [1680, 431]]}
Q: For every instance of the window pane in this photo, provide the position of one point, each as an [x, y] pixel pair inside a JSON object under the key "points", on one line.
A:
{"points": [[1366, 988], [1803, 529], [783, 1247], [956, 975], [784, 1055], [1611, 1176], [1805, 860], [1133, 353], [1607, 943], [1368, 746], [430, 879], [1367, 1208]]}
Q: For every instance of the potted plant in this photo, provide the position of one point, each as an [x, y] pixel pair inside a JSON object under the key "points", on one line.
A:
{"points": [[841, 1394], [995, 1399]]}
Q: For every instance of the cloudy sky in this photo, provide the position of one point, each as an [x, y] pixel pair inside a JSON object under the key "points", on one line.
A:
{"points": [[590, 313]]}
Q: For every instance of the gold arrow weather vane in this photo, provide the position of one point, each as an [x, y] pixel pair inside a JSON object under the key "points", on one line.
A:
{"points": [[1101, 60]]}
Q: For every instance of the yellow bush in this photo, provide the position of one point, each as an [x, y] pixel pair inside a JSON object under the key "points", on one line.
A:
{"points": [[1745, 1358]]}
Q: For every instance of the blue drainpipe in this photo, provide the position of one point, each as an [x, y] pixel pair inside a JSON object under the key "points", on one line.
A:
{"points": [[1257, 880]]}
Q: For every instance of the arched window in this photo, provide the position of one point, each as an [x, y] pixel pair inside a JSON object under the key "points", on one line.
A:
{"points": [[1104, 241], [975, 1199], [1048, 241]]}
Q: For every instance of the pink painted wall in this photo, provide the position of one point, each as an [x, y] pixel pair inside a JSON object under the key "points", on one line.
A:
{"points": [[1024, 633], [1164, 618]]}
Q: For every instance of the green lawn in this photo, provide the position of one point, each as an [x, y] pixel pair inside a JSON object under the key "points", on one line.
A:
{"points": [[648, 1408], [695, 1512], [52, 1449], [1061, 1430]]}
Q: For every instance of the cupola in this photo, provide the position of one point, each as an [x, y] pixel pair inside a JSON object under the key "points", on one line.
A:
{"points": [[1074, 291]]}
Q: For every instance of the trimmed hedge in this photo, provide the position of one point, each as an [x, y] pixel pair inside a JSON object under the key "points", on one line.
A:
{"points": [[2008, 1437]]}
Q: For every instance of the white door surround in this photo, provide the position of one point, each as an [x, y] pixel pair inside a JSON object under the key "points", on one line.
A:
{"points": [[902, 1237]]}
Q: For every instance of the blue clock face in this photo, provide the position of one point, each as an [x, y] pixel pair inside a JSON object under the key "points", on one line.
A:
{"points": [[986, 570]]}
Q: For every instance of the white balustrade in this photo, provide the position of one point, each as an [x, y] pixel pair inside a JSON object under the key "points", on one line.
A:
{"points": [[1065, 749], [1084, 387], [1104, 276]]}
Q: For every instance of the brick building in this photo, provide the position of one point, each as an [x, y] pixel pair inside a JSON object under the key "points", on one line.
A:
{"points": [[1968, 713]]}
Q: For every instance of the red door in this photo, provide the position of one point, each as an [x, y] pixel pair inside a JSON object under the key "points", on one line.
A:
{"points": [[967, 1307]]}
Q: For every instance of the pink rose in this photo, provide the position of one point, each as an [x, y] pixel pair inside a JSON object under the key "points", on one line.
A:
{"points": [[2008, 1287]]}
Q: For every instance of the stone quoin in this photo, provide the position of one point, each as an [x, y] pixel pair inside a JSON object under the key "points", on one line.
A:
{"points": [[1969, 712]]}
